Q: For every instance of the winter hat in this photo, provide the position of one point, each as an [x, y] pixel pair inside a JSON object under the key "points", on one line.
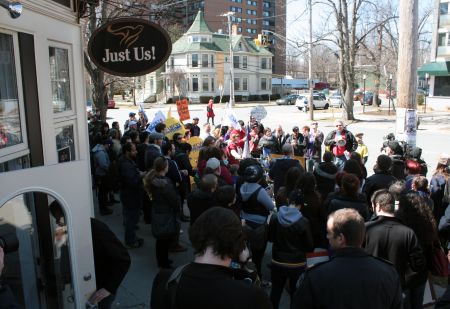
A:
{"points": [[253, 173], [444, 159], [384, 162]]}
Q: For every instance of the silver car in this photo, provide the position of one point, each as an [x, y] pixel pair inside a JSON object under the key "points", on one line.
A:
{"points": [[335, 100], [318, 102]]}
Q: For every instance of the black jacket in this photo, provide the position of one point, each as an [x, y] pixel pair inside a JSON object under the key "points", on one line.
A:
{"points": [[290, 233], [351, 280], [130, 177], [325, 174], [207, 286], [337, 200], [279, 169], [388, 238], [165, 199], [299, 144], [350, 145], [111, 258], [379, 180], [198, 202]]}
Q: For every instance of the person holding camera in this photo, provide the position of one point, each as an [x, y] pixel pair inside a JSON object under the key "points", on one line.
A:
{"points": [[7, 299]]}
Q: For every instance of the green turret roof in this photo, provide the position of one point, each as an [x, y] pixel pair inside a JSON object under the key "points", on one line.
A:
{"points": [[199, 25]]}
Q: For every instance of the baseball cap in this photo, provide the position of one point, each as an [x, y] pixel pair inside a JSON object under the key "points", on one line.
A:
{"points": [[131, 114], [295, 128], [195, 118], [359, 134], [213, 163]]}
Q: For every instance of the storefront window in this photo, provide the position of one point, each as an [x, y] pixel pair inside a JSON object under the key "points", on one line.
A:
{"points": [[65, 145], [60, 79], [10, 125], [15, 164]]}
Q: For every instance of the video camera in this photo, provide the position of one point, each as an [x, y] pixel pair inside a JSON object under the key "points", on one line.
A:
{"points": [[9, 242]]}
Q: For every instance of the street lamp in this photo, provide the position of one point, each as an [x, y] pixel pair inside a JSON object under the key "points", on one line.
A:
{"points": [[427, 78], [390, 93], [364, 94], [228, 15]]}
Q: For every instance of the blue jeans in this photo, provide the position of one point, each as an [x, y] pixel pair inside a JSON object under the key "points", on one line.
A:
{"points": [[339, 161], [413, 298]]}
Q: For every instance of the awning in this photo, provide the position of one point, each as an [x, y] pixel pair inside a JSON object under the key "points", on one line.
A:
{"points": [[440, 68]]}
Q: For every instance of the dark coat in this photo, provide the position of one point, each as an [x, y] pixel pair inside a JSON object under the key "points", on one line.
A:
{"points": [[325, 174], [280, 140], [299, 144], [131, 186], [206, 286], [165, 198], [279, 169], [7, 299], [388, 238], [351, 280], [198, 202], [379, 180], [140, 159], [337, 200], [350, 141], [291, 240], [111, 258]]}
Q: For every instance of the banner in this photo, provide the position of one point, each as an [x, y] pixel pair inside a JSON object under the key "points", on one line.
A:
{"points": [[230, 118], [159, 117], [259, 112], [183, 110], [174, 126], [196, 143]]}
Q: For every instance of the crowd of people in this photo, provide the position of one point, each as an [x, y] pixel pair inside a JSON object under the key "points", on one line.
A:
{"points": [[380, 233]]}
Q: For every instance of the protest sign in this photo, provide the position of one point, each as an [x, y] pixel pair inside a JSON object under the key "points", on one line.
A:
{"points": [[259, 112], [174, 126], [196, 143], [159, 117], [183, 110]]}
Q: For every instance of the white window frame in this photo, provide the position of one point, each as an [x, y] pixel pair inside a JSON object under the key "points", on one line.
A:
{"points": [[72, 111], [19, 150], [76, 143]]}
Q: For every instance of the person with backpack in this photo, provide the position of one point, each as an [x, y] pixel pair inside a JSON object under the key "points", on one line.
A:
{"points": [[256, 206], [209, 281], [210, 111]]}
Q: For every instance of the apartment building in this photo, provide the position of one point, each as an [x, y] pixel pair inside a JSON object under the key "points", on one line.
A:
{"points": [[438, 69], [251, 17]]}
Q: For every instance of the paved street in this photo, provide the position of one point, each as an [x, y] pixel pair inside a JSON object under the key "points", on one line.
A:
{"points": [[433, 136]]}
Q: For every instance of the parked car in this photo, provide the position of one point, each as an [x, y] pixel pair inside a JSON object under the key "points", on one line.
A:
{"points": [[368, 99], [111, 103], [335, 100], [318, 102], [321, 94], [287, 100]]}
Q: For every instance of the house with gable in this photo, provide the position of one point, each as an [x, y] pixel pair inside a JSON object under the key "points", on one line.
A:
{"points": [[199, 65]]}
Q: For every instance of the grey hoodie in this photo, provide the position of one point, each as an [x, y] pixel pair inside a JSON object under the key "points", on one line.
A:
{"points": [[263, 198], [288, 215], [101, 160]]}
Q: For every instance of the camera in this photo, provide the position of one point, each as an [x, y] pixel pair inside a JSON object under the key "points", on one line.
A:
{"points": [[9, 242]]}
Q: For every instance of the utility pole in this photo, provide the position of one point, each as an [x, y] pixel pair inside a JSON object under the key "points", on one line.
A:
{"points": [[228, 15], [407, 75], [310, 80]]}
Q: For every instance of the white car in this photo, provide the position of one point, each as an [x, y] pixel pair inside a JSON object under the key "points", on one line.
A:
{"points": [[318, 102], [335, 100]]}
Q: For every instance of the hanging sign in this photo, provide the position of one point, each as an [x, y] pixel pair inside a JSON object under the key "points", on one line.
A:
{"points": [[129, 47]]}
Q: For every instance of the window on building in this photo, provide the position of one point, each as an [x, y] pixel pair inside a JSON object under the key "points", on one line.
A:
{"points": [[244, 62], [204, 39], [195, 84], [263, 63], [245, 83], [443, 8], [60, 79], [236, 62], [204, 60], [239, 29], [205, 83], [266, 4], [195, 39], [442, 86], [11, 109], [194, 60], [263, 83], [212, 61], [442, 39], [212, 83], [266, 14], [265, 23], [237, 83], [172, 62]]}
